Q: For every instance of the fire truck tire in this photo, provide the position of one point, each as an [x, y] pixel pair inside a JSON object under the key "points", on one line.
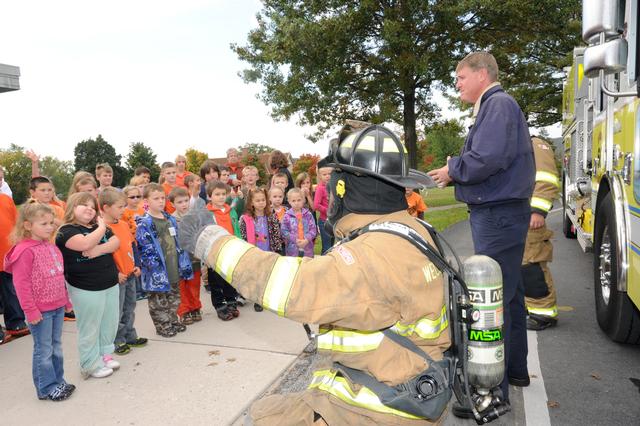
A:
{"points": [[616, 314], [567, 227]]}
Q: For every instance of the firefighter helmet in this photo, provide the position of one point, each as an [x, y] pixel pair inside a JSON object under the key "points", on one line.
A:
{"points": [[373, 150]]}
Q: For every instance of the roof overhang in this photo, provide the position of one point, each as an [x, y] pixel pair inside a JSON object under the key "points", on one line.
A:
{"points": [[9, 78]]}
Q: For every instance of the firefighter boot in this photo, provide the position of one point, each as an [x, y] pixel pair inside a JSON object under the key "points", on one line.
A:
{"points": [[540, 322]]}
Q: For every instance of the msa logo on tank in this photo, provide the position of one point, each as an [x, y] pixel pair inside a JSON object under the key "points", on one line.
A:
{"points": [[485, 335], [486, 296]]}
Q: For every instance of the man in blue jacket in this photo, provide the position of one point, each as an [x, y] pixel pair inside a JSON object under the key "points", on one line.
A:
{"points": [[495, 176]]}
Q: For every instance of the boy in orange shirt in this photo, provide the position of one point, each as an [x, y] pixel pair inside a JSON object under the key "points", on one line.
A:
{"points": [[41, 190], [223, 296], [168, 172], [415, 203], [112, 204]]}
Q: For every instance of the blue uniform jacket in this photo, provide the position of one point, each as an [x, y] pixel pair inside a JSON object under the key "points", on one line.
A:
{"points": [[154, 269], [496, 164]]}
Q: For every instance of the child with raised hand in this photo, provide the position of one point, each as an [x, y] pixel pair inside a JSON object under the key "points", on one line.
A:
{"points": [[298, 227], [38, 276], [163, 261], [276, 198], [193, 183], [303, 182], [112, 203], [223, 295], [321, 205], [87, 246], [189, 309], [41, 190], [258, 226]]}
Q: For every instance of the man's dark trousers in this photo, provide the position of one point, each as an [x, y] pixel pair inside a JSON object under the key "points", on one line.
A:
{"points": [[500, 231], [13, 315]]}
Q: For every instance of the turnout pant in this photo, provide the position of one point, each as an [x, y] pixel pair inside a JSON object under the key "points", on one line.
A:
{"points": [[163, 307], [221, 291], [540, 293], [499, 231]]}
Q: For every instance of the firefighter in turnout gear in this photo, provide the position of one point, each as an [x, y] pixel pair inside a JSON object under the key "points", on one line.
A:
{"points": [[539, 290], [365, 289]]}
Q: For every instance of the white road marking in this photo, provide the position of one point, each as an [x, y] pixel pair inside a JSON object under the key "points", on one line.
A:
{"points": [[536, 411]]}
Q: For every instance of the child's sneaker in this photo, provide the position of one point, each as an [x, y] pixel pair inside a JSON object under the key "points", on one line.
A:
{"points": [[101, 372], [69, 387], [70, 316], [179, 327], [18, 332], [138, 343], [257, 308], [109, 362], [187, 319], [196, 315], [122, 349], [59, 393], [167, 332]]}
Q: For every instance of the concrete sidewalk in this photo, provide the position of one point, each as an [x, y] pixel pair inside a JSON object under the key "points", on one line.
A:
{"points": [[204, 376]]}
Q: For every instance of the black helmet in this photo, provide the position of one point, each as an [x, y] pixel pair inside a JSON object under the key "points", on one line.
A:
{"points": [[374, 151]]}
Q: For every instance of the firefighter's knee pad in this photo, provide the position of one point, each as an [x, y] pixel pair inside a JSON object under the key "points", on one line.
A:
{"points": [[535, 285]]}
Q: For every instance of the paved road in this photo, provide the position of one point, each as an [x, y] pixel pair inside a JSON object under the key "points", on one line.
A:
{"points": [[578, 376]]}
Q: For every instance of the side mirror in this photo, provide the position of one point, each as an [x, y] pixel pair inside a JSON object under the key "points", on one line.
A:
{"points": [[602, 16], [610, 57]]}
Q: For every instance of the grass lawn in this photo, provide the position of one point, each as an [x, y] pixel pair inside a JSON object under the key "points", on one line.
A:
{"points": [[437, 197], [441, 219]]}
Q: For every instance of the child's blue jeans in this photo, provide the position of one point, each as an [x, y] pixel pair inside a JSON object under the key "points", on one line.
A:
{"points": [[47, 368]]}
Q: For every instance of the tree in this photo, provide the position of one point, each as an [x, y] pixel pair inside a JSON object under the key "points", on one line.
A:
{"points": [[441, 140], [253, 159], [378, 61], [255, 148], [90, 152], [306, 163], [195, 159], [60, 172], [142, 155], [17, 173]]}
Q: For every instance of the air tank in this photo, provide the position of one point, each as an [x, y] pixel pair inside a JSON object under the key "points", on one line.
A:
{"points": [[485, 350]]}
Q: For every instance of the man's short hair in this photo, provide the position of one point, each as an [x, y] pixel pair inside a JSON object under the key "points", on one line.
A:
{"points": [[110, 196], [481, 60], [178, 192], [216, 184]]}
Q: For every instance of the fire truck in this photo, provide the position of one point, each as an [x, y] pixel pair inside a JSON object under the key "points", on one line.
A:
{"points": [[601, 160]]}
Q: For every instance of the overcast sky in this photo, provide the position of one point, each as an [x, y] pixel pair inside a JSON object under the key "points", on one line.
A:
{"points": [[154, 71]]}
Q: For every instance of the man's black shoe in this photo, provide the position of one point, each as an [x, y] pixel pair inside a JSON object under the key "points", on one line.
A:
{"points": [[539, 322], [522, 382], [461, 411]]}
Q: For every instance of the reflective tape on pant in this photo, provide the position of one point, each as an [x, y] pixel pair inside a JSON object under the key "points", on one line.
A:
{"points": [[276, 293], [349, 341], [229, 256], [547, 312], [329, 382], [548, 177], [541, 204], [354, 341], [425, 328]]}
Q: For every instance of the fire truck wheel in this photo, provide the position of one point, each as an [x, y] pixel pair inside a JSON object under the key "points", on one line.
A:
{"points": [[616, 315], [567, 227]]}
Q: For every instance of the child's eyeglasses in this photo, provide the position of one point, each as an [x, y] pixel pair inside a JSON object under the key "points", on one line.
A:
{"points": [[133, 197]]}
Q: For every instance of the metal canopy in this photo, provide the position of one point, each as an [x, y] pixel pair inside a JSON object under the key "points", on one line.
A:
{"points": [[9, 78]]}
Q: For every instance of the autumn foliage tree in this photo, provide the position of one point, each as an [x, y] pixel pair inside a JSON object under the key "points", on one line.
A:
{"points": [[306, 163]]}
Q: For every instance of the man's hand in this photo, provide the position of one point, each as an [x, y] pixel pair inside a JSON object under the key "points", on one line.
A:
{"points": [[441, 176], [537, 221]]}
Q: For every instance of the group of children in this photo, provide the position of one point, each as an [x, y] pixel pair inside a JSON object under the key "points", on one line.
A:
{"points": [[91, 256]]}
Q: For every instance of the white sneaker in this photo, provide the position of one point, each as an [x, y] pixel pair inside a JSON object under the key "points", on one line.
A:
{"points": [[111, 363], [101, 372]]}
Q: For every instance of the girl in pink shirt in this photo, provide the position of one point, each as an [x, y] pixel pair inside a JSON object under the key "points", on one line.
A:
{"points": [[38, 276]]}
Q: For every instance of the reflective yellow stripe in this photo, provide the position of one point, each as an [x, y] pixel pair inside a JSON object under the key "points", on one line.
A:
{"points": [[547, 312], [349, 341], [328, 381], [276, 294], [548, 177], [425, 328], [363, 341], [229, 256], [541, 203]]}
